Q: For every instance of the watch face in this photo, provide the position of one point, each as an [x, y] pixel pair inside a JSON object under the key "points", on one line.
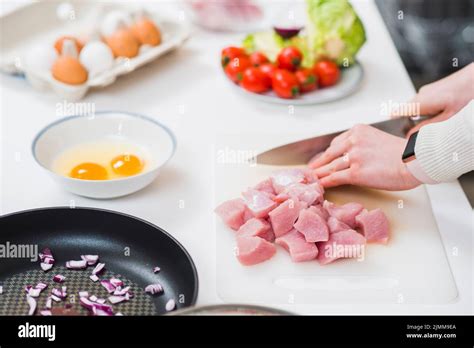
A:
{"points": [[409, 152]]}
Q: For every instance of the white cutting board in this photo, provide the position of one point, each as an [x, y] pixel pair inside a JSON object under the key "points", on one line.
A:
{"points": [[411, 269]]}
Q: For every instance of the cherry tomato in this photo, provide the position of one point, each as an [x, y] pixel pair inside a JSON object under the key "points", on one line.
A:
{"points": [[289, 58], [285, 84], [230, 53], [328, 72], [258, 59], [236, 67], [307, 80], [255, 80], [268, 69]]}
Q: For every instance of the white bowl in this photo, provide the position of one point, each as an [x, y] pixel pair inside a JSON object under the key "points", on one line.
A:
{"points": [[71, 131]]}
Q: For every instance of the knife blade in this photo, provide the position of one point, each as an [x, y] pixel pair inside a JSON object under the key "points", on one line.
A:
{"points": [[302, 151]]}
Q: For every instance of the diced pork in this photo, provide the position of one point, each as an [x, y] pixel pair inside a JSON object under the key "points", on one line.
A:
{"points": [[258, 202], [343, 244], [312, 226], [247, 214], [284, 216], [305, 193], [296, 244], [318, 209], [336, 226], [345, 213], [256, 228], [253, 250], [286, 177], [265, 186], [232, 213], [374, 226]]}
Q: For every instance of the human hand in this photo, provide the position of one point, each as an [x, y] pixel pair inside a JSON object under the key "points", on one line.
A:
{"points": [[443, 98], [364, 156]]}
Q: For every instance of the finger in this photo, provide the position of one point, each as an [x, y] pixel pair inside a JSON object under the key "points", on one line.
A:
{"points": [[334, 151], [439, 118], [342, 177], [338, 164]]}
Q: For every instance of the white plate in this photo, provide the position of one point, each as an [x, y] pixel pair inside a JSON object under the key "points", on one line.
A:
{"points": [[38, 24], [350, 79]]}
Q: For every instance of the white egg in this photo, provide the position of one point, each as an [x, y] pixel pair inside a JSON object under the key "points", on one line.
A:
{"points": [[41, 58], [96, 57], [113, 21]]}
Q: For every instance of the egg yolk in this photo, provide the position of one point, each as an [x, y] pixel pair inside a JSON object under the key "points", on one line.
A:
{"points": [[126, 165], [89, 171]]}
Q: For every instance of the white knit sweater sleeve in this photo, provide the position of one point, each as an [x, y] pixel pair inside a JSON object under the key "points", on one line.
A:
{"points": [[445, 150]]}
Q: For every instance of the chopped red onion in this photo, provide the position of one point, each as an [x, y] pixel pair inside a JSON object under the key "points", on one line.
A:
{"points": [[90, 259], [83, 294], [49, 303], [93, 298], [116, 299], [48, 260], [46, 266], [94, 278], [99, 268], [32, 303], [55, 298], [170, 305], [1, 289], [41, 286], [46, 252], [104, 307], [121, 292], [107, 285], [101, 313], [59, 278], [59, 293], [46, 312], [154, 289], [27, 288], [85, 302], [34, 292], [118, 314], [101, 300], [156, 269], [76, 264], [116, 282]]}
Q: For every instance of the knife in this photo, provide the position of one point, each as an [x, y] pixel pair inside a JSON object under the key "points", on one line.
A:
{"points": [[302, 151]]}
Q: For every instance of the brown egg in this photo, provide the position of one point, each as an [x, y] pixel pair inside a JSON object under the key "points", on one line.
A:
{"points": [[58, 45], [146, 32], [69, 70], [123, 43]]}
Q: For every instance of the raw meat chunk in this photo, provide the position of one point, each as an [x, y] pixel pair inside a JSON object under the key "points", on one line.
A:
{"points": [[312, 226], [253, 250], [318, 209], [302, 192], [247, 214], [283, 178], [232, 213], [256, 228], [343, 244], [258, 202], [284, 216], [374, 226], [336, 226], [299, 249], [265, 186], [345, 213]]}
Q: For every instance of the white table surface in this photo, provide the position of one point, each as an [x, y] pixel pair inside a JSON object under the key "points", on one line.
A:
{"points": [[187, 91]]}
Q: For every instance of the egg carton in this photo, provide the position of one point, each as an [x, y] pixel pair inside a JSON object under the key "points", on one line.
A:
{"points": [[41, 23]]}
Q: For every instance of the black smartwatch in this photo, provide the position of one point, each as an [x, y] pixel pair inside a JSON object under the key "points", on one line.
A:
{"points": [[409, 152]]}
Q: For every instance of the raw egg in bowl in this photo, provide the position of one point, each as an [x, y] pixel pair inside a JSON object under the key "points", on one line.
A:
{"points": [[104, 155]]}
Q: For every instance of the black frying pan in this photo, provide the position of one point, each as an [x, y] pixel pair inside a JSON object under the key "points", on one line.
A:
{"points": [[129, 247]]}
